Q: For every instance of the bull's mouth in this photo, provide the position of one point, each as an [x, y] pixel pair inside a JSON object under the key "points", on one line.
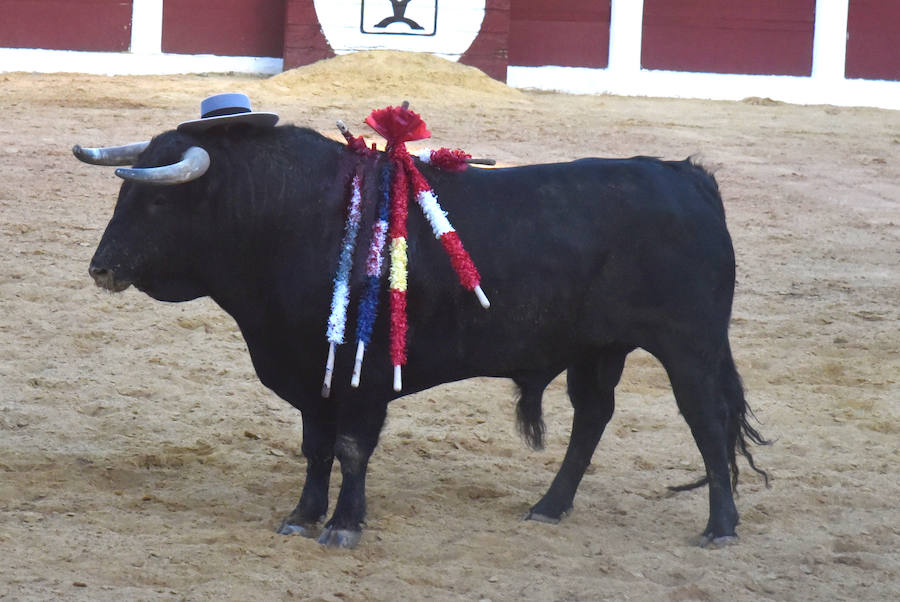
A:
{"points": [[106, 279]]}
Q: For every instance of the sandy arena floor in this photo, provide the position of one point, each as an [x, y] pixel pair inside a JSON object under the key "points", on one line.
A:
{"points": [[140, 458]]}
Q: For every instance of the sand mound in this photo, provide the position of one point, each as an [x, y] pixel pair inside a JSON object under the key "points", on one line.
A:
{"points": [[388, 73]]}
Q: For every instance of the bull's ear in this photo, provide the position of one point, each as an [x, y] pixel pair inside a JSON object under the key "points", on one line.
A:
{"points": [[110, 155], [194, 163]]}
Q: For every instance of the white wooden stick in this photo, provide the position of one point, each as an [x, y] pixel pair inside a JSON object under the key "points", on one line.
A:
{"points": [[357, 365], [329, 371], [482, 298], [398, 381], [344, 130]]}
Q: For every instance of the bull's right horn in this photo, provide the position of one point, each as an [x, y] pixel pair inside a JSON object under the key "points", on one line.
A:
{"points": [[110, 155], [194, 163]]}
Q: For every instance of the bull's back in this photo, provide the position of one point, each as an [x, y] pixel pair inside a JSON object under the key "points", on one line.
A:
{"points": [[584, 253]]}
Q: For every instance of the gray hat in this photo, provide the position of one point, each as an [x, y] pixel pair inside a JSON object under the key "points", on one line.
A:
{"points": [[227, 109]]}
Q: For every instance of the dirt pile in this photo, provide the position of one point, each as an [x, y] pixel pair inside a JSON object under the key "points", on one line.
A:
{"points": [[389, 73]]}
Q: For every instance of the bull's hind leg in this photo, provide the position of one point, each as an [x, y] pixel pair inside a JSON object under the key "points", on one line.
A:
{"points": [[696, 384], [591, 383]]}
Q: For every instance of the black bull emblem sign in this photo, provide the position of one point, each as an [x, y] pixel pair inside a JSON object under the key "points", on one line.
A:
{"points": [[399, 16]]}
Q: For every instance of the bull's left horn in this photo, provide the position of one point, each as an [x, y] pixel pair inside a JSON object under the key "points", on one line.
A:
{"points": [[110, 155], [194, 163]]}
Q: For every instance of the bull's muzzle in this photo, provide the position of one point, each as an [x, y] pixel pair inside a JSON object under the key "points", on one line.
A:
{"points": [[105, 278]]}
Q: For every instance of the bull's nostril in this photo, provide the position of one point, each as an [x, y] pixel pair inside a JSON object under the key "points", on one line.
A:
{"points": [[96, 272]]}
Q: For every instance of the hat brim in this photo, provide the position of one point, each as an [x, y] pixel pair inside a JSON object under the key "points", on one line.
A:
{"points": [[260, 119]]}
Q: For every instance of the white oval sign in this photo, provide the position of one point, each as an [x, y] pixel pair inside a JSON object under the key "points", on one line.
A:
{"points": [[445, 28]]}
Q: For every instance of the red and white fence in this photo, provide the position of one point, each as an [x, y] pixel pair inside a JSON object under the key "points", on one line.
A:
{"points": [[842, 52]]}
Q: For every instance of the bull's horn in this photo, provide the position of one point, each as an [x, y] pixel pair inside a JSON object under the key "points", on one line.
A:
{"points": [[194, 163], [110, 155]]}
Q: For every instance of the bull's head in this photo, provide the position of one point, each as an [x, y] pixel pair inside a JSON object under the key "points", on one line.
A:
{"points": [[148, 241], [200, 212]]}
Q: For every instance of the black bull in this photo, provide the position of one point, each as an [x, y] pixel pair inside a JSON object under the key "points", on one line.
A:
{"points": [[583, 262]]}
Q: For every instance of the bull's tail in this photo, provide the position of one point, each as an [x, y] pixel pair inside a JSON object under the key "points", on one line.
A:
{"points": [[529, 414], [740, 431]]}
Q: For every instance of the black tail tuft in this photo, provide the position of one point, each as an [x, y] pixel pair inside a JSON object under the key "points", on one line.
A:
{"points": [[739, 428], [740, 432], [747, 432], [529, 417], [689, 486]]}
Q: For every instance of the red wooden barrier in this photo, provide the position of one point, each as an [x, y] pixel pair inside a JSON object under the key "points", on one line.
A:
{"points": [[873, 41], [571, 34], [770, 37], [224, 27], [98, 25]]}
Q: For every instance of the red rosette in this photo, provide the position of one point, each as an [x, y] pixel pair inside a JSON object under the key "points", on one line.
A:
{"points": [[450, 160], [398, 124], [357, 145]]}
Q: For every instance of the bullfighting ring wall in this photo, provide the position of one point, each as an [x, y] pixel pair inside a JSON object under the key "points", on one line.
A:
{"points": [[838, 52]]}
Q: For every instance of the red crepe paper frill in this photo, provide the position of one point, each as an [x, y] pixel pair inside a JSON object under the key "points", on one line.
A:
{"points": [[450, 160], [399, 202], [419, 182], [398, 124], [460, 260], [399, 327], [358, 145]]}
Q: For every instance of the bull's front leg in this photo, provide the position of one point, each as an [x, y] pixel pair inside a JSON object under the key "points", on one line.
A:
{"points": [[358, 428], [318, 448]]}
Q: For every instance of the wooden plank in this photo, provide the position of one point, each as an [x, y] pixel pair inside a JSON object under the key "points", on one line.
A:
{"points": [[873, 40], [771, 37], [564, 43], [94, 25], [304, 41], [553, 10], [224, 27], [571, 34], [489, 51]]}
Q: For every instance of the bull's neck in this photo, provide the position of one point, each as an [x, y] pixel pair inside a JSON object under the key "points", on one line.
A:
{"points": [[276, 266]]}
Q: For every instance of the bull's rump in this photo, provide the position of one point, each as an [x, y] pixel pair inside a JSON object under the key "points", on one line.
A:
{"points": [[572, 255]]}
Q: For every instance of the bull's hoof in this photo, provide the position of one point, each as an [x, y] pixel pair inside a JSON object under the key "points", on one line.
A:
{"points": [[287, 528], [710, 541], [339, 538], [540, 517]]}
